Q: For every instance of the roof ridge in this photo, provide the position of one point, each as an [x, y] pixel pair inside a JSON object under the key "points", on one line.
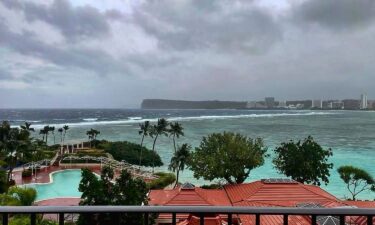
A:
{"points": [[175, 195], [257, 189], [179, 191], [195, 190], [313, 191]]}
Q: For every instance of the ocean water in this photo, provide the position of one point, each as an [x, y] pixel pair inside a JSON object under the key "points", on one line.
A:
{"points": [[350, 134]]}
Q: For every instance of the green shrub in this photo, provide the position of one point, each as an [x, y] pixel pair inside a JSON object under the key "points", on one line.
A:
{"points": [[130, 152], [163, 181], [26, 196], [25, 220]]}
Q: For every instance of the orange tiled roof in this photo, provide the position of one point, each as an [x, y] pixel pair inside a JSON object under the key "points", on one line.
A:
{"points": [[285, 194], [194, 220], [196, 197], [257, 194], [361, 204]]}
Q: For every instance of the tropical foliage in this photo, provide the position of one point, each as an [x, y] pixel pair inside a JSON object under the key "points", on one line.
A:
{"points": [[92, 134], [357, 180], [18, 196], [124, 191], [304, 161], [180, 160], [14, 145], [175, 131], [227, 156], [161, 128], [144, 130], [129, 152], [163, 180]]}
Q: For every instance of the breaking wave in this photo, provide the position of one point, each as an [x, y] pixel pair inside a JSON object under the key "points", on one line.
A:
{"points": [[135, 120]]}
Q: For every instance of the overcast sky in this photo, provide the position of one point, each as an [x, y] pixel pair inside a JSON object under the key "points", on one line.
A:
{"points": [[114, 53]]}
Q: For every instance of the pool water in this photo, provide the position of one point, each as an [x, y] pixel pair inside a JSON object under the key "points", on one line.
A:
{"points": [[63, 184]]}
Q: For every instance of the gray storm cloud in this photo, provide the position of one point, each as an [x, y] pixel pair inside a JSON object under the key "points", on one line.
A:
{"points": [[64, 54]]}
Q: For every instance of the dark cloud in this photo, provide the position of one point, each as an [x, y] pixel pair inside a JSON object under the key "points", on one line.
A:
{"points": [[337, 14], [5, 75], [74, 23], [93, 60], [208, 24], [191, 49]]}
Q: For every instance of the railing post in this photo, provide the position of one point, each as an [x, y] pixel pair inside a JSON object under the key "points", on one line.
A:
{"points": [[61, 219], [230, 219], [33, 219], [285, 219], [342, 220], [257, 219], [5, 218], [145, 219], [313, 219], [369, 220], [201, 219], [174, 219]]}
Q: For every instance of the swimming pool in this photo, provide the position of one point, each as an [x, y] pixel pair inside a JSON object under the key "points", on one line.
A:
{"points": [[63, 184]]}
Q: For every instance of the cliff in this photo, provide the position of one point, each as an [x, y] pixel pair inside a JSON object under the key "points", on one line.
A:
{"points": [[178, 104]]}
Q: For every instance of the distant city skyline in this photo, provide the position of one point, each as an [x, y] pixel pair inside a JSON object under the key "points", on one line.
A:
{"points": [[114, 53]]}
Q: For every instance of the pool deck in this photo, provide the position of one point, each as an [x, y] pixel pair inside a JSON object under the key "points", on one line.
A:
{"points": [[59, 202], [43, 176]]}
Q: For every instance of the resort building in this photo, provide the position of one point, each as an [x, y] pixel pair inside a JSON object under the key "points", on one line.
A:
{"points": [[364, 103], [317, 104], [263, 193]]}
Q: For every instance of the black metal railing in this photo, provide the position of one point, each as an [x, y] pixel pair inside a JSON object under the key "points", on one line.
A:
{"points": [[202, 211]]}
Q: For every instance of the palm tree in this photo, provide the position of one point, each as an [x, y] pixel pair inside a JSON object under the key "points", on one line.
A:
{"points": [[27, 127], [45, 132], [92, 134], [144, 131], [176, 130], [52, 129], [61, 130], [66, 128], [179, 160], [161, 128]]}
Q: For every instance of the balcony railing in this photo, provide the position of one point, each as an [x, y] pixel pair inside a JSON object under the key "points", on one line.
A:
{"points": [[202, 211]]}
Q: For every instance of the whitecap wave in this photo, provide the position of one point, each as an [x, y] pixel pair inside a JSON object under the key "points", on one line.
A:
{"points": [[29, 121], [90, 119], [136, 120]]}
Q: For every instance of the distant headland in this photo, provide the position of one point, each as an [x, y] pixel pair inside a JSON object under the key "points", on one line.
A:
{"points": [[362, 103]]}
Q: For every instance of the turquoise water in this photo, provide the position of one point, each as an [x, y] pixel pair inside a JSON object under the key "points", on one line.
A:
{"points": [[350, 134], [65, 184]]}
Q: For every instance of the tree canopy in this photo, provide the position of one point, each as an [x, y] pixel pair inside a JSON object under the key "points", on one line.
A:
{"points": [[227, 156], [356, 179], [305, 162], [123, 150], [124, 191]]}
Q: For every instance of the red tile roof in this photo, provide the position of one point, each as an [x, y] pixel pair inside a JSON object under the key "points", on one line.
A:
{"points": [[286, 194], [257, 194], [196, 197], [210, 220], [361, 204]]}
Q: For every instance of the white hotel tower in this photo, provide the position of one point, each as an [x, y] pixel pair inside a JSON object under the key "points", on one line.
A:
{"points": [[364, 104]]}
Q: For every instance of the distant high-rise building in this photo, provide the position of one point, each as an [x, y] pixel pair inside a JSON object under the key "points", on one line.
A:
{"points": [[351, 104], [270, 102], [317, 104], [364, 103], [282, 104]]}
